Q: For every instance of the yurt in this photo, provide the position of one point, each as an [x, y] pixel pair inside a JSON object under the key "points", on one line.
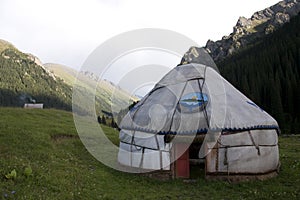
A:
{"points": [[194, 114]]}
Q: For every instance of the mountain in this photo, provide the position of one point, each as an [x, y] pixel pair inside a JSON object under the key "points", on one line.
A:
{"points": [[5, 45], [248, 31], [268, 72], [266, 66], [106, 91], [23, 80], [67, 74]]}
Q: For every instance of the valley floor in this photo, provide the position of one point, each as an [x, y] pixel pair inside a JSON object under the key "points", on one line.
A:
{"points": [[46, 142]]}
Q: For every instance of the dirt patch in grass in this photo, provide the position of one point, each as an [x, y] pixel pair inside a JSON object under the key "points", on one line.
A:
{"points": [[60, 137]]}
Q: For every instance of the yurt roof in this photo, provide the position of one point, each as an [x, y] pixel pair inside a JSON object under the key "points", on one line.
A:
{"points": [[192, 99]]}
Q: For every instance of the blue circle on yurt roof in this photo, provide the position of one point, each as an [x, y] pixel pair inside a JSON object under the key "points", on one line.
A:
{"points": [[193, 102]]}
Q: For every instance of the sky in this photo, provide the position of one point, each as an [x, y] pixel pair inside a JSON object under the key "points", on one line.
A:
{"points": [[67, 31]]}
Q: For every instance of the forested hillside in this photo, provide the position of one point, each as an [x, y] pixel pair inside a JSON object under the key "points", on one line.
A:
{"points": [[268, 72], [23, 80]]}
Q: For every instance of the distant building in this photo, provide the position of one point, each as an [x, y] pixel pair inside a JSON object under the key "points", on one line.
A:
{"points": [[34, 105]]}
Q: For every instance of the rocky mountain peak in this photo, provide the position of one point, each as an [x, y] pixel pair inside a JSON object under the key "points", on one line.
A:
{"points": [[243, 22], [250, 29], [198, 55], [35, 59]]}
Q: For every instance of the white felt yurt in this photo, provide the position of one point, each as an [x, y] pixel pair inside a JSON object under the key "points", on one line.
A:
{"points": [[192, 101]]}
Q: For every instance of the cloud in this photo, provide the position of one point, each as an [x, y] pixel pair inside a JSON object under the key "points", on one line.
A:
{"points": [[66, 31]]}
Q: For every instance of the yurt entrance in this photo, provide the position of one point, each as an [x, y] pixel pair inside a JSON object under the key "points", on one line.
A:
{"points": [[188, 164], [197, 165]]}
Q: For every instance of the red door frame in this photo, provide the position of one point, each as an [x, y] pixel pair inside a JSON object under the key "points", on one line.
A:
{"points": [[182, 166]]}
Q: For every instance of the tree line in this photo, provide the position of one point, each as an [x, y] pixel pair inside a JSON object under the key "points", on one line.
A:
{"points": [[268, 72]]}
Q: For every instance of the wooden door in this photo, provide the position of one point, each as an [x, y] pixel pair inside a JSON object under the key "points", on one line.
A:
{"points": [[183, 162]]}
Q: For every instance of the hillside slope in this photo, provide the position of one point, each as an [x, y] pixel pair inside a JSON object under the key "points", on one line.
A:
{"points": [[24, 80], [5, 45], [67, 74], [106, 92]]}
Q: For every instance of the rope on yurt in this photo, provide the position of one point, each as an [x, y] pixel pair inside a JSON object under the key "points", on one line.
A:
{"points": [[217, 159], [142, 159], [202, 99], [225, 162], [173, 114], [133, 134], [131, 144], [205, 111], [256, 145], [160, 153]]}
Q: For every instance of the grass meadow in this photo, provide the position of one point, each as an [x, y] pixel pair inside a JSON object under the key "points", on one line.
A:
{"points": [[41, 157]]}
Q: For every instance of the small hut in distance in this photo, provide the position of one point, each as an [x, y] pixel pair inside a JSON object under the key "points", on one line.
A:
{"points": [[33, 104]]}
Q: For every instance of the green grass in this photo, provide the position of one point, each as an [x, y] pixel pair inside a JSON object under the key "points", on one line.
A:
{"points": [[63, 169]]}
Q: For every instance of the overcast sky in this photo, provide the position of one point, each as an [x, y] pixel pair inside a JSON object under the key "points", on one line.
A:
{"points": [[67, 31]]}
